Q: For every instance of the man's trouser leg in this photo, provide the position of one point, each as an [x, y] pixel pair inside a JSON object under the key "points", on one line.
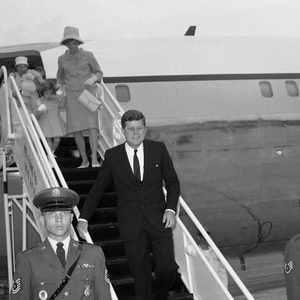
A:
{"points": [[138, 255]]}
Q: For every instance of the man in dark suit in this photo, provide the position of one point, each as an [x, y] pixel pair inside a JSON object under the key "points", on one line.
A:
{"points": [[40, 270], [139, 168]]}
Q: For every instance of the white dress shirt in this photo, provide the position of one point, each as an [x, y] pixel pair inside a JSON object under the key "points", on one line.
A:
{"points": [[66, 243], [140, 155]]}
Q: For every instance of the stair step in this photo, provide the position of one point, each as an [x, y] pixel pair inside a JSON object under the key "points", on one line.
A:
{"points": [[104, 230], [125, 291], [68, 162], [83, 186], [117, 266], [75, 174], [120, 280], [109, 242], [67, 141], [107, 225], [117, 260], [180, 296], [104, 215], [108, 200], [112, 248], [67, 151]]}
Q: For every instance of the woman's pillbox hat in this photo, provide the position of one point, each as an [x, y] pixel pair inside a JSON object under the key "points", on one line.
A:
{"points": [[21, 60], [71, 33], [54, 199]]}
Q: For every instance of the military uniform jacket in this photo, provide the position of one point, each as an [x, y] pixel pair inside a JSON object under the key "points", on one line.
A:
{"points": [[39, 273], [292, 268], [136, 200]]}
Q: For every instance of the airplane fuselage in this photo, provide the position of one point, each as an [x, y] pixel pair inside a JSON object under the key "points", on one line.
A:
{"points": [[237, 152], [229, 117]]}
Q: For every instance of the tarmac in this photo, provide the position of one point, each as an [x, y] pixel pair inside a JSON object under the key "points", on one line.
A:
{"points": [[263, 275]]}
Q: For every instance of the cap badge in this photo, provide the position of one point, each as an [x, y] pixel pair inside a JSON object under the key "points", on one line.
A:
{"points": [[55, 192]]}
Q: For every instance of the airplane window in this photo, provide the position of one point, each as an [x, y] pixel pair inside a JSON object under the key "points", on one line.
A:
{"points": [[122, 93], [266, 89], [292, 88]]}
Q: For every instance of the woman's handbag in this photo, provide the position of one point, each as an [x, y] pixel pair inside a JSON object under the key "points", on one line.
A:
{"points": [[89, 101]]}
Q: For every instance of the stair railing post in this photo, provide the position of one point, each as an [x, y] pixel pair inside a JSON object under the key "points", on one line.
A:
{"points": [[24, 221], [188, 265], [8, 231]]}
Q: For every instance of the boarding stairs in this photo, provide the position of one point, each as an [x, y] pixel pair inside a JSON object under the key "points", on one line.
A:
{"points": [[39, 169]]}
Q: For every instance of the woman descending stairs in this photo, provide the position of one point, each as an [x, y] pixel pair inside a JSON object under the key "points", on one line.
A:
{"points": [[103, 226]]}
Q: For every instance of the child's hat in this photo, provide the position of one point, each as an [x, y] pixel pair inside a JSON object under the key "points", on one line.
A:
{"points": [[21, 60], [71, 33]]}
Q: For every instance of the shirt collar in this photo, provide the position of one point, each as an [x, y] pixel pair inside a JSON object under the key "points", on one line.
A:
{"points": [[131, 150], [53, 242], [77, 54]]}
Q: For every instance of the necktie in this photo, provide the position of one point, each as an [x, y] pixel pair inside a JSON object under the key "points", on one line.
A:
{"points": [[60, 251], [136, 167]]}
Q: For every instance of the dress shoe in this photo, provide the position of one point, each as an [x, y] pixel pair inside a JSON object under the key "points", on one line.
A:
{"points": [[82, 166], [96, 165]]}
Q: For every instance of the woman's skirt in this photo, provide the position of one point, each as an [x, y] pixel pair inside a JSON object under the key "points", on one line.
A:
{"points": [[78, 117]]}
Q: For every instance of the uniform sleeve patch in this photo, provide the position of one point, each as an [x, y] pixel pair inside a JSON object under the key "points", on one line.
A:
{"points": [[106, 276], [288, 267], [16, 286]]}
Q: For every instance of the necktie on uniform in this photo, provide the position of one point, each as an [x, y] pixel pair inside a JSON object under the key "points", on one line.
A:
{"points": [[60, 251], [136, 167]]}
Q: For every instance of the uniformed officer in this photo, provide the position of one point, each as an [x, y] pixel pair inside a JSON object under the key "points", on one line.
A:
{"points": [[41, 271], [292, 268]]}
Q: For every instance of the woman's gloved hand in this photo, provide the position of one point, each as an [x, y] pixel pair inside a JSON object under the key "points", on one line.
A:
{"points": [[91, 81]]}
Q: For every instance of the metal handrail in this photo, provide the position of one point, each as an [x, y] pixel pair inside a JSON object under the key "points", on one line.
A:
{"points": [[3, 73], [113, 99], [191, 243], [36, 137], [211, 243]]}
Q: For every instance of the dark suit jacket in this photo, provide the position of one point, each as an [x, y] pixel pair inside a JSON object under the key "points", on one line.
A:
{"points": [[39, 272], [136, 201]]}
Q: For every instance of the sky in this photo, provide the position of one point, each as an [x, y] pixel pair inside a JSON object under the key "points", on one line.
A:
{"points": [[33, 21]]}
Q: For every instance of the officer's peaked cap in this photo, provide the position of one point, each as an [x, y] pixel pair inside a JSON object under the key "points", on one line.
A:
{"points": [[56, 198]]}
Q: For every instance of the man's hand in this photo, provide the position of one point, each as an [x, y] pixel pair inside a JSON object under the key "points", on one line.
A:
{"points": [[82, 228], [169, 219]]}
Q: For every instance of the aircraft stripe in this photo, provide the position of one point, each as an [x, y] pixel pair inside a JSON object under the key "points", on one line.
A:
{"points": [[202, 77]]}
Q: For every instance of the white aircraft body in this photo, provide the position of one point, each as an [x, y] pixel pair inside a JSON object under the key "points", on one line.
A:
{"points": [[228, 110]]}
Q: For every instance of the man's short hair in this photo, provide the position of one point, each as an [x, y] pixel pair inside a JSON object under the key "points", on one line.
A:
{"points": [[132, 115]]}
